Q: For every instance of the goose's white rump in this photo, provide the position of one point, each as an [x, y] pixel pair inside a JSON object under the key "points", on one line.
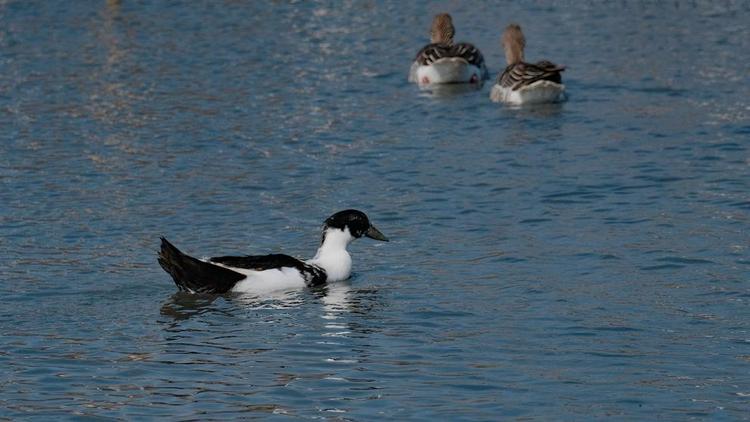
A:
{"points": [[445, 71], [536, 93]]}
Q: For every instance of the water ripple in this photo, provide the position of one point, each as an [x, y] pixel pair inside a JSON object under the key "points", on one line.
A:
{"points": [[580, 260]]}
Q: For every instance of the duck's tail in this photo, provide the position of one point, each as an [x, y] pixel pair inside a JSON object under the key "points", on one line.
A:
{"points": [[193, 275]]}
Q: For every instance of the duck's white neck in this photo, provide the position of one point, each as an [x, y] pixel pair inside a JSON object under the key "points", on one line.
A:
{"points": [[332, 255]]}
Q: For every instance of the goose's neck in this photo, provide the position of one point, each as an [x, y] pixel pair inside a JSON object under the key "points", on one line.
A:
{"points": [[332, 256], [441, 39], [513, 54]]}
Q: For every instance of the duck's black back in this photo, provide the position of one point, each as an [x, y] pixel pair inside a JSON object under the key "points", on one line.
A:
{"points": [[312, 274], [194, 275]]}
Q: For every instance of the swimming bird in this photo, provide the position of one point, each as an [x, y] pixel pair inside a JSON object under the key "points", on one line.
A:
{"points": [[265, 273], [443, 61], [526, 83]]}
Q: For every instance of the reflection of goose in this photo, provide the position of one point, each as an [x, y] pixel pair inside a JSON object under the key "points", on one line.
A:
{"points": [[266, 273], [447, 90], [443, 62], [526, 83]]}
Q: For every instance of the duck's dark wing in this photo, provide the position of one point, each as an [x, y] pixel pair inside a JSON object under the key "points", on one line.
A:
{"points": [[521, 74], [194, 275], [433, 52], [312, 274]]}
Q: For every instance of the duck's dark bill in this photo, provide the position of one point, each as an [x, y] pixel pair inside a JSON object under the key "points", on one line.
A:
{"points": [[374, 233]]}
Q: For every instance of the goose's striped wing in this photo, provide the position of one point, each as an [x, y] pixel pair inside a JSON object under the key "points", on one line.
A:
{"points": [[469, 53], [521, 74], [431, 53]]}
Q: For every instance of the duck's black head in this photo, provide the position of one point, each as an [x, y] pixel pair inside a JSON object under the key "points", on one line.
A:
{"points": [[357, 223]]}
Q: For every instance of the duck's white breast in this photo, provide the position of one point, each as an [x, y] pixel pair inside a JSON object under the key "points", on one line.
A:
{"points": [[259, 282]]}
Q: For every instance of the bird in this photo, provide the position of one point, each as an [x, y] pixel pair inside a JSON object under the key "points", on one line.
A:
{"points": [[445, 62], [522, 82], [267, 273]]}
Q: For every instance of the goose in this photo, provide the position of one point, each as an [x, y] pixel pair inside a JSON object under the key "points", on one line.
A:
{"points": [[445, 62], [522, 82]]}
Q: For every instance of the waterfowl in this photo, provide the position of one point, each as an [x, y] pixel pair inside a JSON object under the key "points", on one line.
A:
{"points": [[266, 273], [526, 83], [445, 62]]}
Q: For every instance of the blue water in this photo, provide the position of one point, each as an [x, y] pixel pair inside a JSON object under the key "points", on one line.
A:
{"points": [[580, 261]]}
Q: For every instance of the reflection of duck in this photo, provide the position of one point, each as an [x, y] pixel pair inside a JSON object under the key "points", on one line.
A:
{"points": [[266, 273], [526, 83], [447, 90], [182, 306], [443, 62], [336, 299]]}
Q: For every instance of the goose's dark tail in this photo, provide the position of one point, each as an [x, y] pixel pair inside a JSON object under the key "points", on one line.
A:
{"points": [[193, 275]]}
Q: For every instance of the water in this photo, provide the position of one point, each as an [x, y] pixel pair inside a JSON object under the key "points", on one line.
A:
{"points": [[570, 262]]}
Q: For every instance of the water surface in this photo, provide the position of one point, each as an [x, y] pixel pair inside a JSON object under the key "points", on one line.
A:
{"points": [[578, 261]]}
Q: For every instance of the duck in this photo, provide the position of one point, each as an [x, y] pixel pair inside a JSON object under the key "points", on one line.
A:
{"points": [[445, 62], [268, 273], [522, 82]]}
